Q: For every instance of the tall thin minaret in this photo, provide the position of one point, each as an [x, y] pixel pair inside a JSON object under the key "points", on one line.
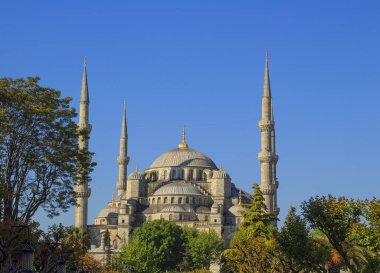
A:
{"points": [[82, 190], [267, 156], [123, 158]]}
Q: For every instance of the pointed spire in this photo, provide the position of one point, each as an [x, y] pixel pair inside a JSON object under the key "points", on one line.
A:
{"points": [[266, 87], [183, 144], [84, 97], [123, 132]]}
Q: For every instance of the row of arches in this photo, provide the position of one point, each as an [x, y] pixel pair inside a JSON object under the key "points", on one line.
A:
{"points": [[178, 174], [179, 200]]}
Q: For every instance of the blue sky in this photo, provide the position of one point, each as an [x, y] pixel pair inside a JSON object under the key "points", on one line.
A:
{"points": [[201, 63]]}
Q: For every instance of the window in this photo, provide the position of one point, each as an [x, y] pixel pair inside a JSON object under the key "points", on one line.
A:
{"points": [[159, 200], [165, 200], [180, 200], [172, 200], [170, 217], [187, 200], [183, 174], [190, 175], [122, 221], [165, 174]]}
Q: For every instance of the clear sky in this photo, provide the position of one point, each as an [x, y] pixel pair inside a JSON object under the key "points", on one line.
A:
{"points": [[201, 63]]}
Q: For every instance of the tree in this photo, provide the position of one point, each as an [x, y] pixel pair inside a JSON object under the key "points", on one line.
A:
{"points": [[300, 251], [335, 218], [202, 249], [156, 247], [257, 220], [38, 150], [254, 245]]}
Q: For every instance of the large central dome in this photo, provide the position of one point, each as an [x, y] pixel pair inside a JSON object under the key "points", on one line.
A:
{"points": [[183, 157]]}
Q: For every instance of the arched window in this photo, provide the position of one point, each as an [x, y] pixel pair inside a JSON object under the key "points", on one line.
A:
{"points": [[206, 217], [180, 200], [165, 200], [183, 174], [204, 176], [180, 217], [170, 217], [190, 175], [173, 176], [159, 200], [187, 200], [153, 201], [199, 175], [165, 174], [114, 244], [172, 200]]}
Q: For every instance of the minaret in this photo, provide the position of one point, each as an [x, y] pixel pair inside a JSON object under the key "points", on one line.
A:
{"points": [[82, 190], [267, 155], [123, 158]]}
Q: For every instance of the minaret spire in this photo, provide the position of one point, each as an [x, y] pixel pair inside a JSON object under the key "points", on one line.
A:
{"points": [[267, 156], [123, 158], [82, 190]]}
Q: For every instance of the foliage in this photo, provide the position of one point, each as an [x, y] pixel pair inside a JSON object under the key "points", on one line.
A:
{"points": [[254, 245], [299, 250], [156, 247], [257, 220], [202, 248], [337, 218], [38, 150]]}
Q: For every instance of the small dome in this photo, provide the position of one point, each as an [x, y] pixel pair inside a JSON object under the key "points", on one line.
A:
{"points": [[236, 210], [136, 175], [220, 174], [177, 188], [108, 212], [173, 209], [183, 158]]}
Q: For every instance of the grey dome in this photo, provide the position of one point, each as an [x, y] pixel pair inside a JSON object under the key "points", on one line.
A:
{"points": [[178, 188], [173, 209], [236, 210], [109, 212], [220, 174], [136, 175], [183, 158]]}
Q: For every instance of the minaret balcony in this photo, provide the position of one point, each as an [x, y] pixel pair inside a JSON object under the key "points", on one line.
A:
{"points": [[123, 160], [84, 127], [266, 125], [82, 192], [267, 157]]}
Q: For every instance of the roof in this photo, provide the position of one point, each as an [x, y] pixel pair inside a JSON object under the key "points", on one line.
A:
{"points": [[173, 208], [183, 158], [177, 188], [109, 212]]}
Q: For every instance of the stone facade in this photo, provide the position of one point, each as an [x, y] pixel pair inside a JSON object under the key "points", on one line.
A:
{"points": [[182, 185]]}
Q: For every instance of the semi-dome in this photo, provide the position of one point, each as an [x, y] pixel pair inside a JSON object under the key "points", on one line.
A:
{"points": [[183, 157], [108, 212], [177, 188]]}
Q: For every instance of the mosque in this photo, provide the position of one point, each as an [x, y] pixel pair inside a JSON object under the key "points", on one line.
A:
{"points": [[182, 185]]}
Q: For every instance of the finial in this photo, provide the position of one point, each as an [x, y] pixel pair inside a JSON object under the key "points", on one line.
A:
{"points": [[183, 144], [113, 199], [240, 196], [85, 60], [266, 56], [221, 167]]}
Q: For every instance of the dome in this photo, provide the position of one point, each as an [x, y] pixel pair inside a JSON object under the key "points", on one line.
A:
{"points": [[220, 174], [183, 158], [173, 209], [136, 175], [177, 188], [236, 210], [109, 212]]}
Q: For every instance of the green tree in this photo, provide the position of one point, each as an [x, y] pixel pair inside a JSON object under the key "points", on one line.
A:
{"points": [[254, 246], [336, 218], [299, 251], [202, 249], [156, 247], [38, 150], [257, 220]]}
